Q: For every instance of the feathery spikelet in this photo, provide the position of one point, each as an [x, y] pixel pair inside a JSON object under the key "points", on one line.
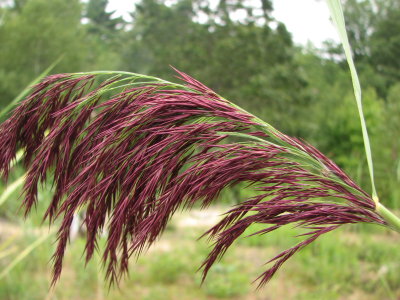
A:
{"points": [[137, 148]]}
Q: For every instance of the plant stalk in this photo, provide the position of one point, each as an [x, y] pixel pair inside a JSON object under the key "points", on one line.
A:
{"points": [[388, 216]]}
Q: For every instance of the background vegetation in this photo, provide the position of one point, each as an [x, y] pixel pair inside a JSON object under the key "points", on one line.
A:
{"points": [[252, 61]]}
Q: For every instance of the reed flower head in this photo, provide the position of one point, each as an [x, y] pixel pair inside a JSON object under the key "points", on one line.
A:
{"points": [[136, 148]]}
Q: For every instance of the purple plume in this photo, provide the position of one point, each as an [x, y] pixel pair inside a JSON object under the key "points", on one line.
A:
{"points": [[136, 148]]}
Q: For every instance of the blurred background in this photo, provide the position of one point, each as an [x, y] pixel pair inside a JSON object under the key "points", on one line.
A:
{"points": [[277, 59]]}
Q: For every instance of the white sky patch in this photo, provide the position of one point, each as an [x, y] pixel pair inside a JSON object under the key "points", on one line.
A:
{"points": [[307, 20], [122, 7]]}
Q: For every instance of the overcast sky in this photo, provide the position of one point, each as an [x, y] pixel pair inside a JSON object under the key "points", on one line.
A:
{"points": [[307, 20]]}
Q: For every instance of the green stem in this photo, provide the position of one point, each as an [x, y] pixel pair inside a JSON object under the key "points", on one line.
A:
{"points": [[388, 216], [336, 10]]}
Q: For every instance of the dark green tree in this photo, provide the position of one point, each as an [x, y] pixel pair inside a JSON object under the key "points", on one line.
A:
{"points": [[374, 32], [35, 35], [385, 46]]}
